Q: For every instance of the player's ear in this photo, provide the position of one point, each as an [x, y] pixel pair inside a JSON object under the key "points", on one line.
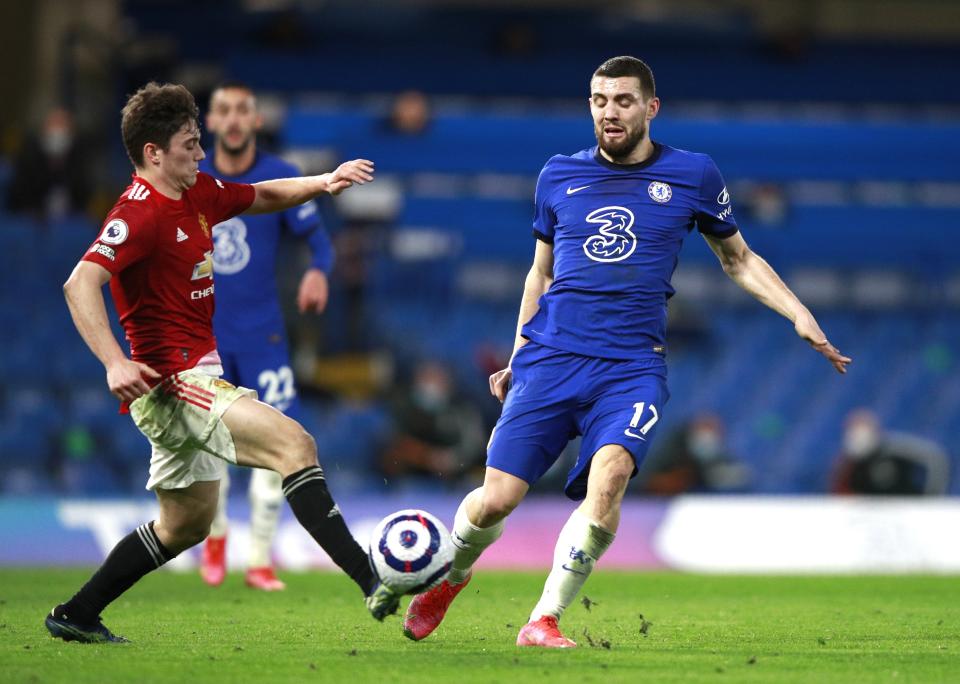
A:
{"points": [[653, 108], [151, 153], [258, 124]]}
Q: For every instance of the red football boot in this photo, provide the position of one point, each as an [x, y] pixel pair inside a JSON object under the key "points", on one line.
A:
{"points": [[213, 561], [426, 610], [543, 632], [264, 579]]}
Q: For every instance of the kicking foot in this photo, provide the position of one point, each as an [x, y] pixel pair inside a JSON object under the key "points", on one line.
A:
{"points": [[264, 579], [382, 601], [61, 626], [213, 561], [426, 610], [544, 632]]}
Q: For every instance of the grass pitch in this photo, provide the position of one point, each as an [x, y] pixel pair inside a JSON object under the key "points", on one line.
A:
{"points": [[650, 627]]}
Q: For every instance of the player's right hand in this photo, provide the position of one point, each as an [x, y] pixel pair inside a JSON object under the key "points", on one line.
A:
{"points": [[127, 379], [500, 383], [354, 171]]}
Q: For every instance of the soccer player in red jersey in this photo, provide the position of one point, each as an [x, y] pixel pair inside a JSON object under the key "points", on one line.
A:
{"points": [[155, 250]]}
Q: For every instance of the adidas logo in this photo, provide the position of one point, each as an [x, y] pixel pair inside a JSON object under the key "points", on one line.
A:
{"points": [[139, 192], [181, 236]]}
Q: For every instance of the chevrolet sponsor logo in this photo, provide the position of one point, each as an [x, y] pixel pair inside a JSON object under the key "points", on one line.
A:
{"points": [[204, 269]]}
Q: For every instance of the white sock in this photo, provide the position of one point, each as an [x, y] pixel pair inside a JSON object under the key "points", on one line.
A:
{"points": [[218, 528], [266, 500], [470, 541], [579, 547]]}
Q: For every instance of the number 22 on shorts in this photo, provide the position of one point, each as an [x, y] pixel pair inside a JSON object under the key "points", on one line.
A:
{"points": [[637, 416]]}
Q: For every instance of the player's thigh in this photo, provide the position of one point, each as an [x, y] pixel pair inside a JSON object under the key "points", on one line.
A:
{"points": [[626, 414], [265, 438], [538, 416]]}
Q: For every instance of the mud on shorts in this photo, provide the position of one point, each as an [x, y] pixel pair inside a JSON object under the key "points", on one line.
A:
{"points": [[181, 418]]}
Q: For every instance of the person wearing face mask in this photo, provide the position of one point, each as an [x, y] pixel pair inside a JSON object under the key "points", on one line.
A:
{"points": [[51, 175], [695, 458], [874, 461], [435, 432]]}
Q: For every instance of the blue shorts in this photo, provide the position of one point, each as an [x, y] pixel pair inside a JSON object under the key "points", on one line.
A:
{"points": [[557, 395], [267, 370]]}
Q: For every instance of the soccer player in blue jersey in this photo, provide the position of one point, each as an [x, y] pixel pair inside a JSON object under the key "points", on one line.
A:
{"points": [[589, 355], [248, 323]]}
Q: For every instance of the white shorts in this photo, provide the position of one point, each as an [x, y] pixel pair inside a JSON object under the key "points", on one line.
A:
{"points": [[181, 418]]}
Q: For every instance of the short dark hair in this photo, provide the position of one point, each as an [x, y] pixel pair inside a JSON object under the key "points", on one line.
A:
{"points": [[154, 114], [618, 67], [232, 84]]}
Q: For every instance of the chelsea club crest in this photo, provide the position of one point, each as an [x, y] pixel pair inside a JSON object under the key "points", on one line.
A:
{"points": [[660, 192]]}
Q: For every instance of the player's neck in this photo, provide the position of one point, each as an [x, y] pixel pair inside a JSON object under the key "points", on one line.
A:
{"points": [[161, 183], [234, 164], [640, 153]]}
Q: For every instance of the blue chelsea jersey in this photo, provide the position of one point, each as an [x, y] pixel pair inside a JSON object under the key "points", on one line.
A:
{"points": [[247, 314], [616, 231]]}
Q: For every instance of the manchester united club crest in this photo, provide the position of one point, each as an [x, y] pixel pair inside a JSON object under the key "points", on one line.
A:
{"points": [[203, 224]]}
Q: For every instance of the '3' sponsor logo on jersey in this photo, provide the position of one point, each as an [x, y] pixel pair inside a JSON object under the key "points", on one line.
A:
{"points": [[615, 240], [231, 252]]}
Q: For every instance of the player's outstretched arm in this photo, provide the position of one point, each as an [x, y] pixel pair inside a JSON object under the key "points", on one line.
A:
{"points": [[537, 282], [84, 293], [283, 193], [753, 274]]}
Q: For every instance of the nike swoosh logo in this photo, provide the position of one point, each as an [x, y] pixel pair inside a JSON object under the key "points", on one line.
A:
{"points": [[570, 191], [569, 569], [634, 434]]}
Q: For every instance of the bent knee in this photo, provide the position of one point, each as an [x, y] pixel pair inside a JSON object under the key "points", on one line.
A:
{"points": [[495, 506], [294, 448], [188, 533]]}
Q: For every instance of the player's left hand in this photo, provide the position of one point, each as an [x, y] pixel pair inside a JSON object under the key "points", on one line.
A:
{"points": [[355, 171], [807, 328], [314, 291]]}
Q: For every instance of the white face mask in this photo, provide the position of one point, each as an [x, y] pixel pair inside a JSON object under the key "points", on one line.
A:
{"points": [[860, 440], [430, 396], [706, 445], [56, 142]]}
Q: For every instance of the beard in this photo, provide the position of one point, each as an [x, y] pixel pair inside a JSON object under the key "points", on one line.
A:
{"points": [[624, 147], [237, 149]]}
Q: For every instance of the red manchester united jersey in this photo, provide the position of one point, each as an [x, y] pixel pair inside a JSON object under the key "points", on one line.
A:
{"points": [[160, 253]]}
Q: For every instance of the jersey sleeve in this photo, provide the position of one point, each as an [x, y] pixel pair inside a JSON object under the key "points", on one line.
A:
{"points": [[305, 219], [223, 198], [127, 236], [544, 218], [714, 215]]}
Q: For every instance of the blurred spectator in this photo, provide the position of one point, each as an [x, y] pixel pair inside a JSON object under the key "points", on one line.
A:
{"points": [[409, 114], [887, 463], [52, 172], [694, 458], [436, 433]]}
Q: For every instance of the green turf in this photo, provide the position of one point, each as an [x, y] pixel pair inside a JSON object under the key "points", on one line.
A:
{"points": [[701, 629]]}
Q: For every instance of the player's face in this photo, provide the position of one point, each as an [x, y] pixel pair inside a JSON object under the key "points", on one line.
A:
{"points": [[620, 114], [234, 119], [180, 162]]}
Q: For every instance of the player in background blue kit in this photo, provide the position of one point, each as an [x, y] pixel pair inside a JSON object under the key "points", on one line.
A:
{"points": [[248, 323], [589, 355]]}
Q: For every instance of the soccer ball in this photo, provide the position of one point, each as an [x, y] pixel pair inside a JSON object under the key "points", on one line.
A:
{"points": [[411, 551]]}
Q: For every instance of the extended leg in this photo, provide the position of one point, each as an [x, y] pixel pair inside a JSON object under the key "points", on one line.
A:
{"points": [[478, 523], [185, 516], [265, 438], [586, 536]]}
